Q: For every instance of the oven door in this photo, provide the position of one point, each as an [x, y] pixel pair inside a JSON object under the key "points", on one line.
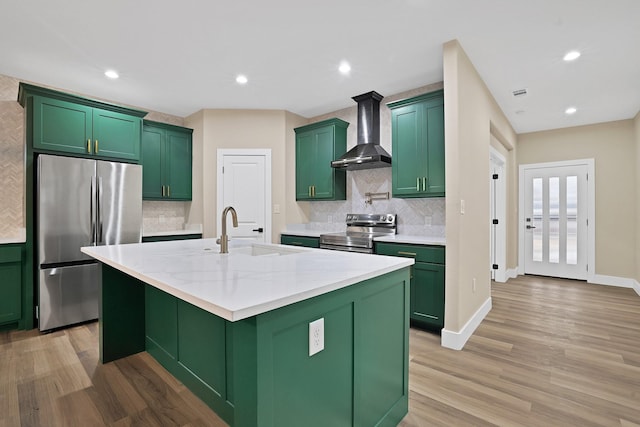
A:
{"points": [[346, 248]]}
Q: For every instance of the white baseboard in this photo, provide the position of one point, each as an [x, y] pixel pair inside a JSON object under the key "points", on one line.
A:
{"points": [[621, 282], [512, 273], [457, 340], [636, 286]]}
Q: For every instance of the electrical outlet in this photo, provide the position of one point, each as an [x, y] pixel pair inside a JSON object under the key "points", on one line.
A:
{"points": [[427, 220], [276, 209], [161, 219], [316, 336]]}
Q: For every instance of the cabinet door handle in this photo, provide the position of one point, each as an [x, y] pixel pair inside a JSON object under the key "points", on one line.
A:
{"points": [[424, 183], [313, 189], [413, 254], [96, 150], [418, 184], [168, 191], [163, 191], [309, 191], [89, 146]]}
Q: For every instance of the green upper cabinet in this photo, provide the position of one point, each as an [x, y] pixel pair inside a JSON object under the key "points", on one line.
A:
{"points": [[417, 134], [166, 162], [317, 145], [66, 123]]}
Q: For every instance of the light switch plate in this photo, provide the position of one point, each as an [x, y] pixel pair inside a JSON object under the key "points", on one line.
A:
{"points": [[316, 336]]}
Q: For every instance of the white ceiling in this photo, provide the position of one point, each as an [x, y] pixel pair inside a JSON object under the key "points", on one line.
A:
{"points": [[178, 57]]}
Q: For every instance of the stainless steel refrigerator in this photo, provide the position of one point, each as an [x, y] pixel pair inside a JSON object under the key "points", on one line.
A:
{"points": [[81, 202]]}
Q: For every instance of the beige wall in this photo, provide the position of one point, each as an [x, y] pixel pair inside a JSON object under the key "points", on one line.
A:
{"points": [[613, 146], [636, 122], [471, 116], [263, 129]]}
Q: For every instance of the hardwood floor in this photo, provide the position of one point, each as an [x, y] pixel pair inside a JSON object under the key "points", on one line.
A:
{"points": [[550, 353]]}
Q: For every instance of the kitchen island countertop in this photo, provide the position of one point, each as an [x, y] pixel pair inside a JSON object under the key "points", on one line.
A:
{"points": [[239, 285]]}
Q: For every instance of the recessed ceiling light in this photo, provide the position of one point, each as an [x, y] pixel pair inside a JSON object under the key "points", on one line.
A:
{"points": [[571, 110], [571, 56], [112, 74], [344, 67], [241, 79]]}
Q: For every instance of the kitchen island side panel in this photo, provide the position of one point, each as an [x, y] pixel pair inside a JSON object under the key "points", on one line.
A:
{"points": [[364, 362], [121, 315], [265, 375]]}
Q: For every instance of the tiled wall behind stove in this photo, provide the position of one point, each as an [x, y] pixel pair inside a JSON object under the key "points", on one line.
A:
{"points": [[158, 216], [11, 160], [420, 217]]}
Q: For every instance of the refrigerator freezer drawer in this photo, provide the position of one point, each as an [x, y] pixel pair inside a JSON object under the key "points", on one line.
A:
{"points": [[68, 295]]}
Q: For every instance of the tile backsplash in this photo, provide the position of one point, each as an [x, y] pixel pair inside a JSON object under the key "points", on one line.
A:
{"points": [[419, 217], [11, 160], [163, 216]]}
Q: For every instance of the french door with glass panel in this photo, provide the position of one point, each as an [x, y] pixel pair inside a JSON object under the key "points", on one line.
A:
{"points": [[556, 221]]}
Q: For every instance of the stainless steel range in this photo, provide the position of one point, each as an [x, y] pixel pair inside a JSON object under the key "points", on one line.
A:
{"points": [[361, 229]]}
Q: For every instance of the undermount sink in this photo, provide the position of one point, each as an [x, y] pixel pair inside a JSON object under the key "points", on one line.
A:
{"points": [[263, 250]]}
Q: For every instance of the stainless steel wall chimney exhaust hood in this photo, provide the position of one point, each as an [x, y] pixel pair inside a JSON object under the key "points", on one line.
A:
{"points": [[367, 154]]}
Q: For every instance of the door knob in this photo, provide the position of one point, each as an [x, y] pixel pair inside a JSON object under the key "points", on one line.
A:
{"points": [[529, 227], [259, 230]]}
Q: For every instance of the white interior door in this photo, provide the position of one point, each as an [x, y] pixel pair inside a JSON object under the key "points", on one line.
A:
{"points": [[497, 238], [555, 223], [244, 182]]}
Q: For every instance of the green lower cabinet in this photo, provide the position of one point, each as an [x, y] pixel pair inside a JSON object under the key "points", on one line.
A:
{"points": [[427, 294], [293, 240], [427, 281], [10, 284], [161, 324]]}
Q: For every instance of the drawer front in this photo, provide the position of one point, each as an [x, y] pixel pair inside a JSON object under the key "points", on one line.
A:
{"points": [[431, 254], [309, 242], [10, 253]]}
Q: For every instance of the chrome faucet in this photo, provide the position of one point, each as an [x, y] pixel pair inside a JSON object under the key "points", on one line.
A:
{"points": [[223, 241]]}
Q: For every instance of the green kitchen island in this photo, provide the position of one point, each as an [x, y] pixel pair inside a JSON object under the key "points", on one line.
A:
{"points": [[238, 329]]}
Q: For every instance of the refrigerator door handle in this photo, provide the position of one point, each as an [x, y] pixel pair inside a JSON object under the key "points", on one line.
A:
{"points": [[92, 211], [99, 237]]}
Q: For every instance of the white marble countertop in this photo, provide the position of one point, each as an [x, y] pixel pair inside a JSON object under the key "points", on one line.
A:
{"points": [[21, 238], [237, 285], [305, 233], [188, 229], [396, 238], [415, 240]]}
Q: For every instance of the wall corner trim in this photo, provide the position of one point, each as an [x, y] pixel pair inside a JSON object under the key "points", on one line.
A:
{"points": [[636, 287], [512, 273], [457, 340]]}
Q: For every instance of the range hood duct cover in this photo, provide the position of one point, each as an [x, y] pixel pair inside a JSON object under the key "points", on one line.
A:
{"points": [[367, 154]]}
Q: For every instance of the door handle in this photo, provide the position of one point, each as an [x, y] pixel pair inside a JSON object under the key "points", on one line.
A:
{"points": [[529, 227], [259, 230]]}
